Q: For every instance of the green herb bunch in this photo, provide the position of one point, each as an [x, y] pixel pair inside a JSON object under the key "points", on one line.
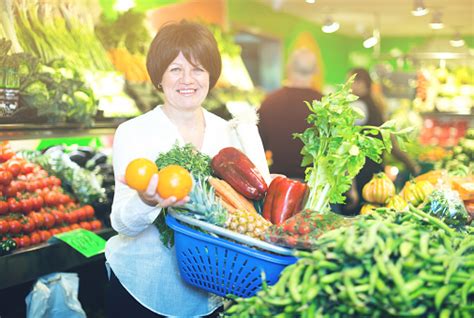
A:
{"points": [[188, 157], [337, 149]]}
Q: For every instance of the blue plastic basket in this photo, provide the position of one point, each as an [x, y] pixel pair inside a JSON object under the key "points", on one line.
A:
{"points": [[223, 267]]}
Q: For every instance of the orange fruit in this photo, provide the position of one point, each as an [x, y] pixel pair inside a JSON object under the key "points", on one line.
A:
{"points": [[174, 181], [139, 172]]}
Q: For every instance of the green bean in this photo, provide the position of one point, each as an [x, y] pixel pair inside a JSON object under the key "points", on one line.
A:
{"points": [[413, 285], [351, 292], [442, 293], [380, 265], [465, 290], [280, 286], [294, 283], [374, 275], [327, 265], [405, 248], [330, 278]]}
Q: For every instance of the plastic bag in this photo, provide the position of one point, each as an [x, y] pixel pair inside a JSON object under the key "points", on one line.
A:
{"points": [[446, 205], [55, 296], [302, 230]]}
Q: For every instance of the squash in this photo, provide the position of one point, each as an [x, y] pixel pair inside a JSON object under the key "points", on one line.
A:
{"points": [[368, 209], [416, 192], [397, 203], [378, 189]]}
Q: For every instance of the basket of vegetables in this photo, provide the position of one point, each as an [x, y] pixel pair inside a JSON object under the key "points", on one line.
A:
{"points": [[222, 261]]}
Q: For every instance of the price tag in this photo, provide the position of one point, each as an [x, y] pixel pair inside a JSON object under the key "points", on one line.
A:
{"points": [[85, 242]]}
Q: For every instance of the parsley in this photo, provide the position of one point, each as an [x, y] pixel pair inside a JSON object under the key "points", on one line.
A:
{"points": [[337, 149], [188, 157]]}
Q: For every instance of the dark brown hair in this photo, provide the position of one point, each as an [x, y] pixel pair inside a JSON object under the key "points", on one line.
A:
{"points": [[364, 76], [193, 40]]}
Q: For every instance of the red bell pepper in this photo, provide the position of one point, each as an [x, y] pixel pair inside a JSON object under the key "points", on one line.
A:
{"points": [[285, 197], [233, 166]]}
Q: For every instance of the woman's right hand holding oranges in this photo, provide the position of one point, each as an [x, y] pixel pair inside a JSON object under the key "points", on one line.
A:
{"points": [[167, 187]]}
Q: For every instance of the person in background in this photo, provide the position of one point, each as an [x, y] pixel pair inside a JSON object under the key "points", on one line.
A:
{"points": [[362, 87], [184, 63], [283, 113]]}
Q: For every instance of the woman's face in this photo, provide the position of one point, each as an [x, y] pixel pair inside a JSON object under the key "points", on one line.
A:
{"points": [[185, 86]]}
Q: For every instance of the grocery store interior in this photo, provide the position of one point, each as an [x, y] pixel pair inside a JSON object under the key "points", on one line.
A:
{"points": [[71, 72]]}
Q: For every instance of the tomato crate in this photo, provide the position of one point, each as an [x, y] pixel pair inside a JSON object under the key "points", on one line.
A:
{"points": [[223, 267]]}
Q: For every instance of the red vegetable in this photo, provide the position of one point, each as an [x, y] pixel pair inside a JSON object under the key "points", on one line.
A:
{"points": [[233, 166], [285, 197]]}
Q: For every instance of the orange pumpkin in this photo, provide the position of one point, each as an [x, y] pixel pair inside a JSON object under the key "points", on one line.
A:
{"points": [[378, 189]]}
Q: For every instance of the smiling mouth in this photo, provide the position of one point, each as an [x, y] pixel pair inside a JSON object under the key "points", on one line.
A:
{"points": [[186, 92]]}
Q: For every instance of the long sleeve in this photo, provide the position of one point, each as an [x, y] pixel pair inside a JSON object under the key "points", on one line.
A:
{"points": [[130, 215]]}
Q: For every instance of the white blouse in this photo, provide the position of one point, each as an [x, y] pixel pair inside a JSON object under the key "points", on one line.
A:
{"points": [[144, 266]]}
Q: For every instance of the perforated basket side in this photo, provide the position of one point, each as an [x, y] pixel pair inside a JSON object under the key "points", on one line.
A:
{"points": [[223, 267]]}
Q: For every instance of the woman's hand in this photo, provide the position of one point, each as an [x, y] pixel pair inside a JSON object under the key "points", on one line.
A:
{"points": [[151, 197]]}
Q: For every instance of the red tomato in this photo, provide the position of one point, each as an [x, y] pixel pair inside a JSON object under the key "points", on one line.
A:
{"points": [[45, 235], [81, 215], [51, 198], [15, 226], [85, 225], [48, 220], [13, 205], [65, 229], [70, 217], [27, 168], [14, 167], [3, 207], [11, 190], [20, 185], [88, 211], [96, 225], [38, 202], [55, 231], [28, 225], [4, 226], [25, 241], [35, 238], [74, 226], [38, 218], [26, 205], [58, 216]]}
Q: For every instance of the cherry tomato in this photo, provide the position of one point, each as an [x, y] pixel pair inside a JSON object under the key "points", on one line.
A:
{"points": [[88, 211], [14, 205], [70, 217], [54, 231], [5, 177], [14, 167], [38, 218]]}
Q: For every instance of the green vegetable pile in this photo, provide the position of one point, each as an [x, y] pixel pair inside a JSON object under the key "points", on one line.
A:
{"points": [[337, 148], [393, 265], [460, 162], [446, 205]]}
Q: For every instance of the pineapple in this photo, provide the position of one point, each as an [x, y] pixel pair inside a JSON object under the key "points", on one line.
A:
{"points": [[247, 222], [205, 205]]}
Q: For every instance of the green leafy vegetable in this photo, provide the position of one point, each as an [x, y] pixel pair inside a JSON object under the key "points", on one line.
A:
{"points": [[337, 149], [188, 157]]}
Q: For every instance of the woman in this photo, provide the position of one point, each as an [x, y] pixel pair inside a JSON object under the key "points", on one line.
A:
{"points": [[362, 87], [184, 63]]}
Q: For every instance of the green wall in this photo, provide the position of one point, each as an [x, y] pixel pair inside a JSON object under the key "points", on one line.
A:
{"points": [[256, 17]]}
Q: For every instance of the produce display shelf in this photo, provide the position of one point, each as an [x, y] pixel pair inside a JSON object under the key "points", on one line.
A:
{"points": [[37, 131], [28, 264]]}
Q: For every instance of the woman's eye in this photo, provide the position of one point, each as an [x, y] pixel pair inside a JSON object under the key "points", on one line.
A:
{"points": [[175, 69], [199, 69]]}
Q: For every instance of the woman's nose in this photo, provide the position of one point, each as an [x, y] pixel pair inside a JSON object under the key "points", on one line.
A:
{"points": [[187, 77]]}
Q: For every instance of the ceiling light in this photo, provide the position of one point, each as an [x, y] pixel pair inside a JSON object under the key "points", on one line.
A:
{"points": [[124, 5], [457, 40], [436, 23], [310, 1], [330, 26], [370, 41], [419, 9]]}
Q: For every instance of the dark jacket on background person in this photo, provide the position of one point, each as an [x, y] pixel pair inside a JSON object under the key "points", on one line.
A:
{"points": [[282, 114]]}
